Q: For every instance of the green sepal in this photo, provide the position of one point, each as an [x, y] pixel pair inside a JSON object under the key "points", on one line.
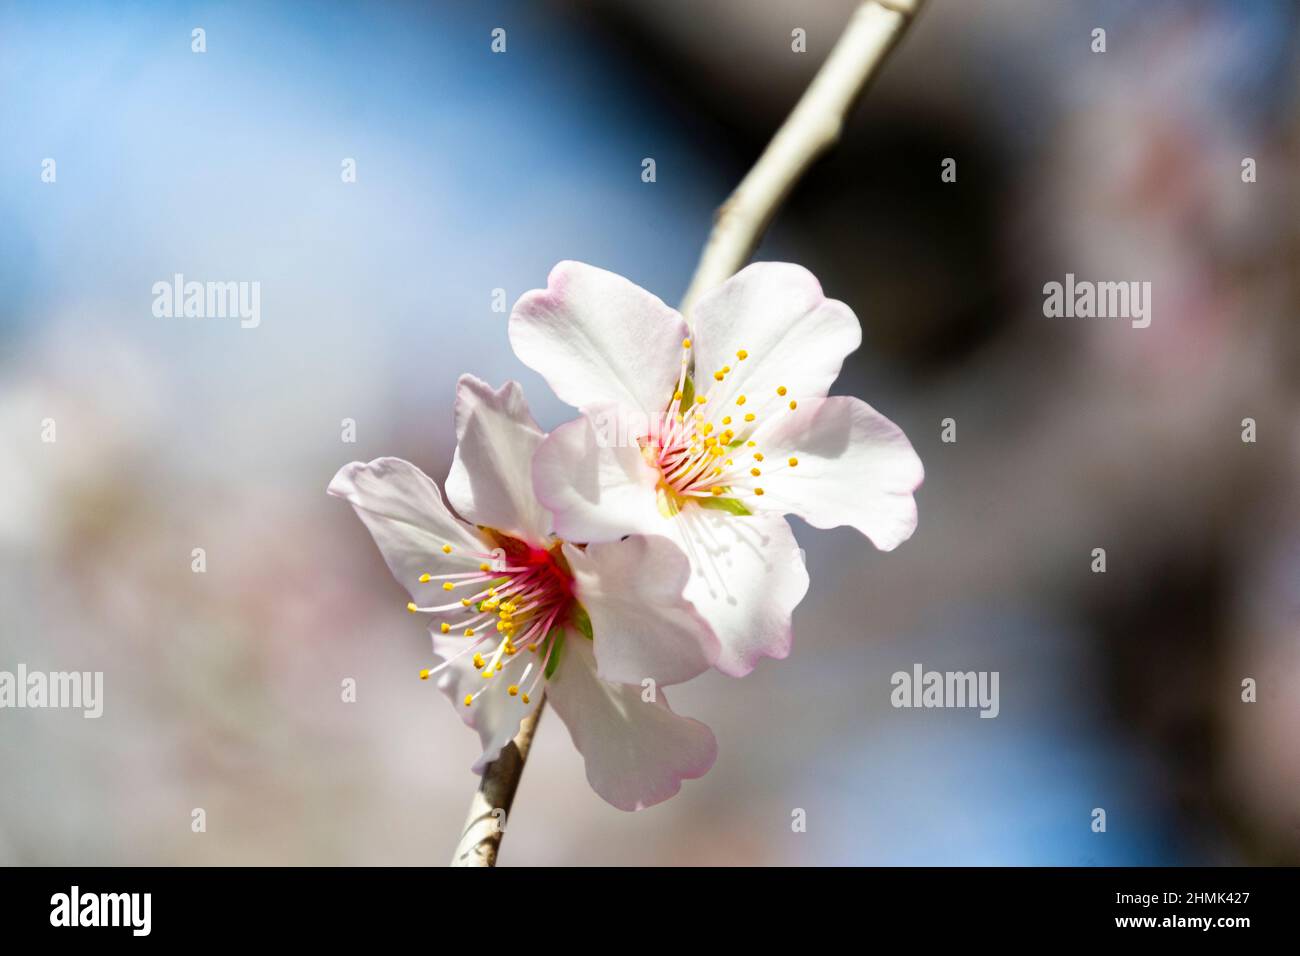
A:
{"points": [[582, 621], [730, 505], [688, 393], [554, 640]]}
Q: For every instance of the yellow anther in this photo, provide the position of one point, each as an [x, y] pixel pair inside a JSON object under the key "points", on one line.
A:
{"points": [[485, 566], [742, 355], [487, 675], [726, 419], [469, 698], [792, 462], [513, 690], [780, 390], [469, 632], [446, 549], [700, 399], [719, 375], [677, 396], [758, 456], [478, 661], [758, 491], [445, 627], [749, 444], [740, 399], [717, 489], [726, 370], [492, 592], [426, 578], [410, 606], [465, 602], [749, 417], [447, 585], [710, 442], [793, 405], [424, 674], [524, 698], [755, 472], [708, 428], [686, 343]]}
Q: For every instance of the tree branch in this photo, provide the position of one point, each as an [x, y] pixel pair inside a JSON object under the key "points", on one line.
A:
{"points": [[484, 827], [813, 127]]}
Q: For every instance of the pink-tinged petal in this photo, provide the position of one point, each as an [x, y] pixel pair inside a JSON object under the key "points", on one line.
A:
{"points": [[855, 467], [494, 714], [643, 626], [792, 336], [407, 518], [747, 577], [490, 481], [595, 490], [599, 339], [637, 752]]}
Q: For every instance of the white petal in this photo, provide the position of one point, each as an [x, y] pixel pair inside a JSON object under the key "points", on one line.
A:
{"points": [[495, 714], [490, 481], [793, 336], [747, 576], [643, 626], [407, 518], [855, 467], [637, 753], [598, 338], [596, 491]]}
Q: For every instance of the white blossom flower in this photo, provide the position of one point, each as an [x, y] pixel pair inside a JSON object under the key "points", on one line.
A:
{"points": [[516, 611], [711, 439]]}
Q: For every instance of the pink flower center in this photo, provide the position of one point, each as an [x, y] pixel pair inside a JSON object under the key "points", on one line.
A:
{"points": [[512, 603], [702, 445]]}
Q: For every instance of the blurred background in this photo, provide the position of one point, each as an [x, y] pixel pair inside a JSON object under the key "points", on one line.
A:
{"points": [[478, 171]]}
